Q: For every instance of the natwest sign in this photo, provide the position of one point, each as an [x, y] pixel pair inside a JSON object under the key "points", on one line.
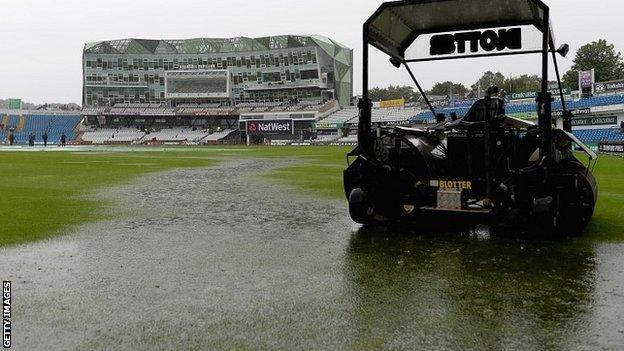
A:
{"points": [[282, 126]]}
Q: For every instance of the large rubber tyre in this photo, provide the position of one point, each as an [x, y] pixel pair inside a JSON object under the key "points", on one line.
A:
{"points": [[571, 218], [360, 208]]}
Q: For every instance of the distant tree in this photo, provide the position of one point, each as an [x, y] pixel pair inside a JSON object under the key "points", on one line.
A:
{"points": [[444, 88], [570, 79], [376, 94], [488, 79], [393, 92], [522, 83], [600, 56]]}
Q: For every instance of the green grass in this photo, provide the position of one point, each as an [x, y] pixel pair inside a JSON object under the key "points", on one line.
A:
{"points": [[608, 221], [43, 194]]}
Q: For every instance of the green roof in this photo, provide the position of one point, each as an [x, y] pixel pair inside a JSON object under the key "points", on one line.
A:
{"points": [[211, 45]]}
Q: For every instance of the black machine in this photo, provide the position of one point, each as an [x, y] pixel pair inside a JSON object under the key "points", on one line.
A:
{"points": [[485, 167]]}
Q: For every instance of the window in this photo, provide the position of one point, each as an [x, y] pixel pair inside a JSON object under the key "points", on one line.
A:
{"points": [[309, 74], [271, 77]]}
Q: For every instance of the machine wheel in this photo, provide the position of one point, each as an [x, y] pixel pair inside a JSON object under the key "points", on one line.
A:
{"points": [[573, 214], [360, 209]]}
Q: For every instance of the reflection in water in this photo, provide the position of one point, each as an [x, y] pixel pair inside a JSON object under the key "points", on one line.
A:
{"points": [[465, 291]]}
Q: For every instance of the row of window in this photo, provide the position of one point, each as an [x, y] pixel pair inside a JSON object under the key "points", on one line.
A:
{"points": [[240, 78], [109, 98], [260, 61]]}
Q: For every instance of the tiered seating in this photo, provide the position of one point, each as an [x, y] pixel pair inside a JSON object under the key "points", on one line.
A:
{"points": [[219, 135], [390, 115], [176, 135], [393, 115], [113, 135], [98, 136], [349, 139], [327, 138], [593, 136], [13, 121], [160, 111], [526, 107], [341, 116], [210, 105], [53, 125], [203, 109], [246, 107]]}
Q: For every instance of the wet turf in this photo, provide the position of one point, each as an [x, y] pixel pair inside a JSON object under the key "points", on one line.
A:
{"points": [[213, 259], [44, 193]]}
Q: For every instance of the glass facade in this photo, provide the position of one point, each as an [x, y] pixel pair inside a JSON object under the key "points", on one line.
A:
{"points": [[260, 70]]}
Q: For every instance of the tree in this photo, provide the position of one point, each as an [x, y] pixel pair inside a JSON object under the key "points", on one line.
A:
{"points": [[444, 88], [392, 92], [523, 83], [570, 79], [600, 56], [488, 79]]}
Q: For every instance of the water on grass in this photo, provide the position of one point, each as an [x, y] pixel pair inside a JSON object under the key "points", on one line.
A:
{"points": [[216, 259]]}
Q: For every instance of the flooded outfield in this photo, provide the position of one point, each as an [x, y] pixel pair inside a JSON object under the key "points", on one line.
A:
{"points": [[217, 259]]}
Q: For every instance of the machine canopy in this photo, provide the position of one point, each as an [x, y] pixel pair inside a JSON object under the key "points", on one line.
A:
{"points": [[396, 25]]}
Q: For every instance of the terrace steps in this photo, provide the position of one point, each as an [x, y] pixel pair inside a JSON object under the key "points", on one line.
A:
{"points": [[5, 122], [21, 124]]}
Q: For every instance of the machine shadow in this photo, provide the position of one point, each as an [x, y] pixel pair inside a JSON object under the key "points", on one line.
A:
{"points": [[469, 291]]}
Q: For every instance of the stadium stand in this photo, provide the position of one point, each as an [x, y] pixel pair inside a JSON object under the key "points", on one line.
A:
{"points": [[100, 136], [393, 115], [39, 123], [349, 139], [327, 138], [389, 115], [527, 107], [112, 136], [4, 122], [593, 136], [218, 136], [342, 116], [176, 135]]}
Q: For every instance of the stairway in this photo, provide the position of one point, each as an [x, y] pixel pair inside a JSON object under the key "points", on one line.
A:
{"points": [[5, 122], [21, 124]]}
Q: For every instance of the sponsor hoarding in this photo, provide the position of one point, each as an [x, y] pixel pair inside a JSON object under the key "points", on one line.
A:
{"points": [[270, 127], [609, 86], [322, 125], [392, 103], [533, 94], [579, 112], [594, 121], [463, 103], [611, 147]]}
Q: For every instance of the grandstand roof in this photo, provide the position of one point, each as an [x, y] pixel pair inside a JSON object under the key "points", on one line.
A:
{"points": [[211, 45]]}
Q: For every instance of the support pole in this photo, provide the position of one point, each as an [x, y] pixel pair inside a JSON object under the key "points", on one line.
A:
{"points": [[544, 98], [487, 203], [365, 105]]}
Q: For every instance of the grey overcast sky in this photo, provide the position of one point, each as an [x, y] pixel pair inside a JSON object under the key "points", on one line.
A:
{"points": [[41, 41]]}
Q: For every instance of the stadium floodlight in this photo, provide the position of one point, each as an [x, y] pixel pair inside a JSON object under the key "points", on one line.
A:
{"points": [[485, 166]]}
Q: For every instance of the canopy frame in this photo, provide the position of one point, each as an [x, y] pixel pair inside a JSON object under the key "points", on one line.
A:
{"points": [[544, 98]]}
